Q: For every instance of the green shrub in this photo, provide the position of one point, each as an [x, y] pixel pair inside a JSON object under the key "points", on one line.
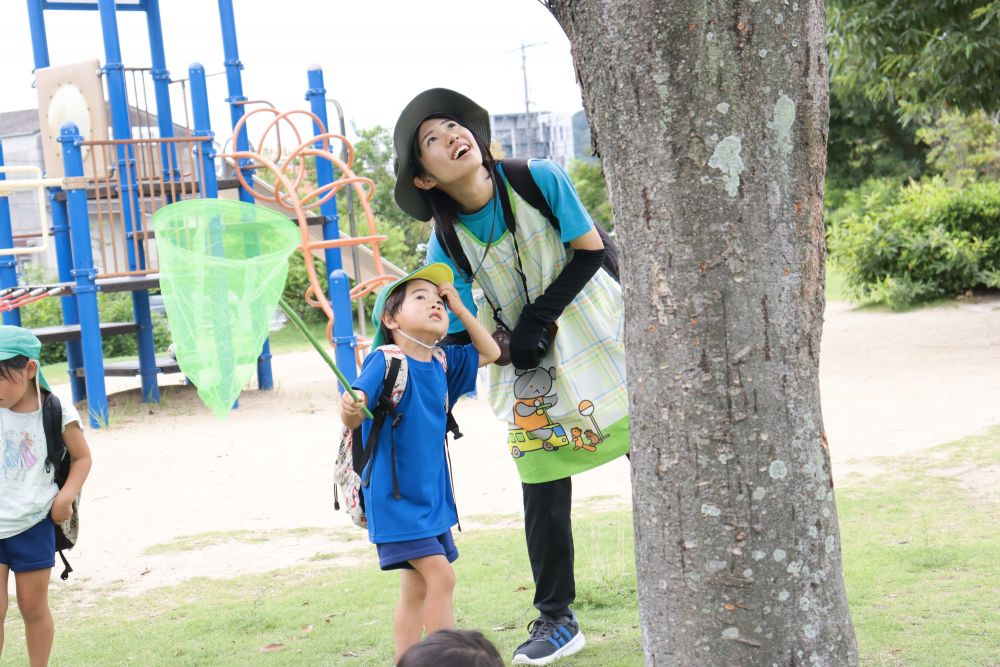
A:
{"points": [[932, 240]]}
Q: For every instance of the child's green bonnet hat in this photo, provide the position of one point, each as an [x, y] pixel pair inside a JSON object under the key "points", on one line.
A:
{"points": [[16, 341], [437, 273]]}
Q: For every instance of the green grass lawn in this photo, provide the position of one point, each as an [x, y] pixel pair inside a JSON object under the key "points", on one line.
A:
{"points": [[920, 552]]}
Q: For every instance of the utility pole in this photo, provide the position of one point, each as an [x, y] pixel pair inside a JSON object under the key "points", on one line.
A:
{"points": [[527, 110]]}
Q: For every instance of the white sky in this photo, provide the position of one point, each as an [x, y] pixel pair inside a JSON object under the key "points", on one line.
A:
{"points": [[376, 54]]}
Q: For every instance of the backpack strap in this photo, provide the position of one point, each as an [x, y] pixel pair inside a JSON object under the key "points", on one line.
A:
{"points": [[451, 424], [448, 238], [519, 176], [391, 394], [57, 457]]}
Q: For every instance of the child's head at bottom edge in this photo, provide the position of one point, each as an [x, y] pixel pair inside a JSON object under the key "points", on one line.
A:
{"points": [[452, 648]]}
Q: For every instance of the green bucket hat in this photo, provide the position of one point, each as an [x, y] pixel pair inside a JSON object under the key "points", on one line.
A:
{"points": [[431, 102], [16, 341], [435, 273]]}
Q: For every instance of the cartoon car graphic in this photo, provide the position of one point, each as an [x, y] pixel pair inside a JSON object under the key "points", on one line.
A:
{"points": [[521, 441]]}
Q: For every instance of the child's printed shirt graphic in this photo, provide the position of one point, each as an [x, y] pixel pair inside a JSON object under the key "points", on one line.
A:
{"points": [[27, 489]]}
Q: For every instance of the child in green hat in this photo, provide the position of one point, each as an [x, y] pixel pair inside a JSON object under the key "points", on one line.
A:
{"points": [[31, 504], [408, 499]]}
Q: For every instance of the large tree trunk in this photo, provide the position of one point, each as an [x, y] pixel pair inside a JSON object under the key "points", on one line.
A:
{"points": [[710, 117]]}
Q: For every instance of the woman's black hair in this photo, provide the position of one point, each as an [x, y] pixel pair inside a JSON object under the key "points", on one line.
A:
{"points": [[9, 366], [443, 207], [452, 648]]}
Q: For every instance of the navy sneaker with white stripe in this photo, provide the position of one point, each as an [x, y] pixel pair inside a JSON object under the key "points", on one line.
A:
{"points": [[551, 639]]}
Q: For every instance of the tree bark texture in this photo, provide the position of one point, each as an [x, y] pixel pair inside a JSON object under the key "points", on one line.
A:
{"points": [[710, 117]]}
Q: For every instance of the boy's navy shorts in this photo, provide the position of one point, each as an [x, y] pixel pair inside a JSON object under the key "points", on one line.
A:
{"points": [[397, 555], [34, 549]]}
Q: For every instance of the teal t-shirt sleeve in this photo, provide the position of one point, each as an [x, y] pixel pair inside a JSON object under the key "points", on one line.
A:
{"points": [[463, 362], [556, 186], [436, 253], [370, 380]]}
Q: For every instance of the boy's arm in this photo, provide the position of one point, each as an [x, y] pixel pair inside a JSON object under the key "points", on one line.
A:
{"points": [[80, 462], [481, 339]]}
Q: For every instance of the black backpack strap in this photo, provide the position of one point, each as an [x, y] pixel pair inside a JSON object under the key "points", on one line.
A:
{"points": [[519, 176], [57, 457], [67, 568], [362, 455], [448, 238]]}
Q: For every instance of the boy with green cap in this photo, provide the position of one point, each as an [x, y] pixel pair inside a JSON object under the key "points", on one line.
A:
{"points": [[409, 501], [31, 504]]}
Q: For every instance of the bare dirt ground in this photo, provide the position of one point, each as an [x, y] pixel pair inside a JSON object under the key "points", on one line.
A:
{"points": [[255, 490]]}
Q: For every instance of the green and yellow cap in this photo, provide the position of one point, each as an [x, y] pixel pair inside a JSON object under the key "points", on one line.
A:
{"points": [[438, 274], [15, 341]]}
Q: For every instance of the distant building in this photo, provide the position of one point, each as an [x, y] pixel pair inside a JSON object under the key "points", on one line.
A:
{"points": [[582, 148], [551, 135]]}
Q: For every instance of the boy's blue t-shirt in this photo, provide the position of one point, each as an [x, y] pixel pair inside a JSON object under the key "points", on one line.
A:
{"points": [[426, 507], [558, 190]]}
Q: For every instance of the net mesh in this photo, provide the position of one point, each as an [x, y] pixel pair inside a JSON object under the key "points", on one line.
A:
{"points": [[223, 266]]}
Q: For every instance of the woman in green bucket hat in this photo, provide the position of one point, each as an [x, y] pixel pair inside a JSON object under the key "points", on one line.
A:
{"points": [[563, 396], [31, 503]]}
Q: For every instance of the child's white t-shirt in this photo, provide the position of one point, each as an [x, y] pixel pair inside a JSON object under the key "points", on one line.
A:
{"points": [[26, 489]]}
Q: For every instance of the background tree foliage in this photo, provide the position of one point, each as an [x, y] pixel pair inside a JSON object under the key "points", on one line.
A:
{"points": [[914, 147], [920, 56]]}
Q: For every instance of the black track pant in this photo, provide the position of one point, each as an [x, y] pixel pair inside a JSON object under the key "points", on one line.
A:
{"points": [[549, 533]]}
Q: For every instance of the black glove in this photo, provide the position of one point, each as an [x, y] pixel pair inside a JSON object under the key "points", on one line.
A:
{"points": [[525, 338]]}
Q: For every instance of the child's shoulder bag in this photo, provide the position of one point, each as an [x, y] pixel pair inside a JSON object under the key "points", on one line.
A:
{"points": [[353, 455], [58, 459]]}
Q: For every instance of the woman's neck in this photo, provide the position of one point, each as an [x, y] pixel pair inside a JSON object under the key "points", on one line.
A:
{"points": [[473, 192]]}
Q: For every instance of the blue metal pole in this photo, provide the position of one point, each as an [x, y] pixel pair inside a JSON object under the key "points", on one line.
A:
{"points": [[316, 96], [203, 129], [161, 86], [84, 274], [210, 190], [343, 324], [70, 312], [126, 164], [39, 42], [234, 83], [8, 263], [339, 286]]}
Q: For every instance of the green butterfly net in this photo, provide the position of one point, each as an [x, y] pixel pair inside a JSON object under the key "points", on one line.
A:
{"points": [[223, 266]]}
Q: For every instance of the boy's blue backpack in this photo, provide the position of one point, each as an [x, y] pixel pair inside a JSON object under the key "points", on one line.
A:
{"points": [[353, 454], [58, 459]]}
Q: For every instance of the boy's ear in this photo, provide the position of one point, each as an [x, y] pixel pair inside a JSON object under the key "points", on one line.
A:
{"points": [[31, 369], [424, 182], [389, 322]]}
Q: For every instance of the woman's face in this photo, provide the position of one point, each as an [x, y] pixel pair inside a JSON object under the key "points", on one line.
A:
{"points": [[448, 152]]}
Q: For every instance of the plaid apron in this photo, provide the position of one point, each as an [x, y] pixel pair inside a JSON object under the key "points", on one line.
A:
{"points": [[571, 413]]}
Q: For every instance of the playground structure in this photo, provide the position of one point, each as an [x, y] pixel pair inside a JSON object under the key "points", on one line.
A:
{"points": [[121, 181]]}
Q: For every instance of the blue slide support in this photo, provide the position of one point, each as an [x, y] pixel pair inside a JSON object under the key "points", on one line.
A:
{"points": [[234, 84], [8, 263], [84, 275], [339, 286], [115, 74]]}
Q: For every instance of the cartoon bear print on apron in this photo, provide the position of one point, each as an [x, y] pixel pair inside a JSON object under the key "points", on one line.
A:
{"points": [[570, 414]]}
